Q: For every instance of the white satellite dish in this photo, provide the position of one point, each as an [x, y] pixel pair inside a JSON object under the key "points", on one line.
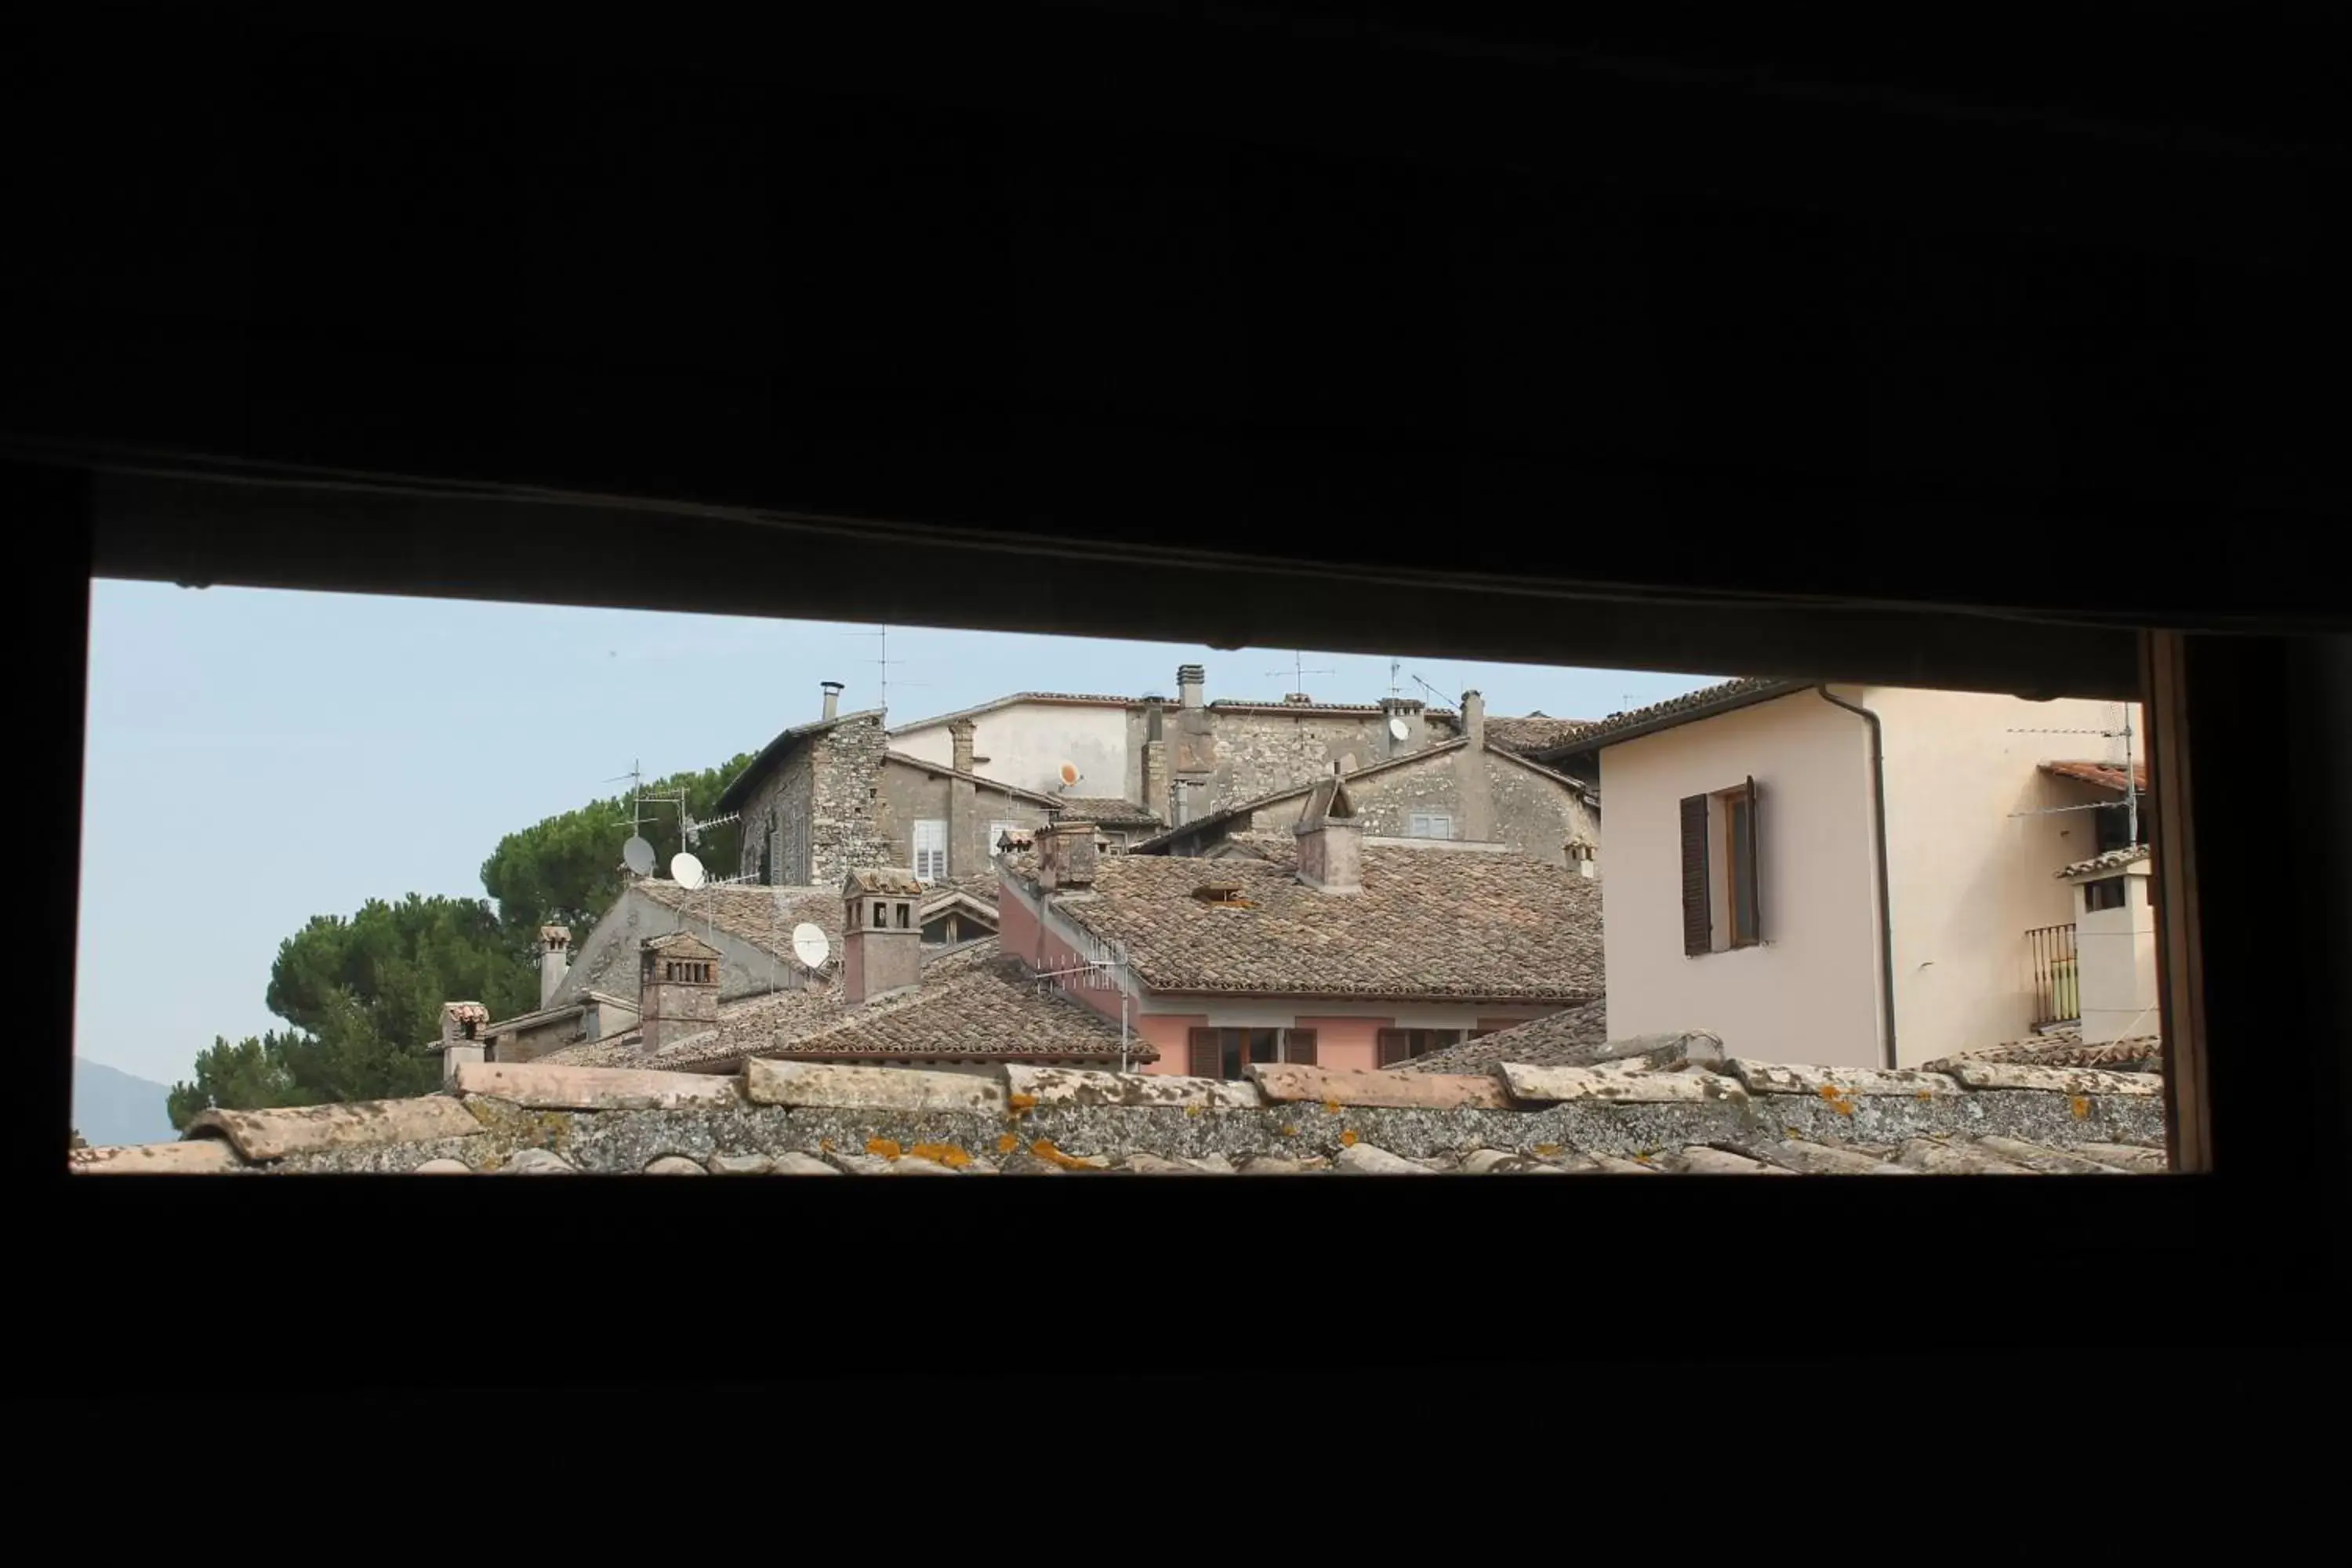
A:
{"points": [[1397, 727], [685, 870], [639, 856], [809, 946]]}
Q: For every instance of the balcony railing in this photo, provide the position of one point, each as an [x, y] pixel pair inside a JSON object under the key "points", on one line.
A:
{"points": [[2050, 952]]}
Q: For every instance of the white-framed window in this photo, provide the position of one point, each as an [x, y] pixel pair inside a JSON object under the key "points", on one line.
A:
{"points": [[1430, 825], [930, 849]]}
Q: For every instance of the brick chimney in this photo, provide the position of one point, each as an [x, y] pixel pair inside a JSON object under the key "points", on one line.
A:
{"points": [[881, 933], [960, 737], [464, 1028], [1191, 680], [832, 698], [1066, 855], [1330, 841], [678, 988], [554, 961]]}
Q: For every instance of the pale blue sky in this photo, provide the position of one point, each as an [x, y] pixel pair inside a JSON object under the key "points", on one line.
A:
{"points": [[255, 757]]}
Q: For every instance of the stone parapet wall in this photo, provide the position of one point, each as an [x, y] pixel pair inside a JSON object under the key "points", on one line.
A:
{"points": [[1732, 1117]]}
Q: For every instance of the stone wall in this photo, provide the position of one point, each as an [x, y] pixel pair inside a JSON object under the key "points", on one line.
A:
{"points": [[824, 802], [911, 793], [1241, 754], [1731, 1118], [1525, 810]]}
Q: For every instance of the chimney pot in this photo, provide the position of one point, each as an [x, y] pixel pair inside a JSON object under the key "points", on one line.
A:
{"points": [[1190, 679], [1065, 854], [678, 988], [960, 736], [881, 933], [1330, 840], [1474, 720], [554, 962], [832, 698]]}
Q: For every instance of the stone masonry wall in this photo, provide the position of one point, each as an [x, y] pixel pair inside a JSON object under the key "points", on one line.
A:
{"points": [[1529, 813]]}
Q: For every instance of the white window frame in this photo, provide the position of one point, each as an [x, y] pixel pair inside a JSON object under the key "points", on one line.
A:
{"points": [[930, 849], [1414, 822]]}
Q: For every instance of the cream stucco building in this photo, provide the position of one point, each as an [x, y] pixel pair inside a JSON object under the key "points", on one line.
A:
{"points": [[1848, 875]]}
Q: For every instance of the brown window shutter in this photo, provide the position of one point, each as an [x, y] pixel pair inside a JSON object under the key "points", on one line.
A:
{"points": [[1698, 925], [1206, 1062], [1298, 1045], [1755, 863], [1396, 1046]]}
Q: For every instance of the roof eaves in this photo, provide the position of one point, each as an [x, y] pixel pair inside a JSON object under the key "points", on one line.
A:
{"points": [[739, 788], [1705, 703], [942, 769], [1145, 845]]}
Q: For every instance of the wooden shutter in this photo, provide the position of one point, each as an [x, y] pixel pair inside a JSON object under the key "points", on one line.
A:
{"points": [[1754, 865], [1698, 923], [1298, 1045], [1396, 1046], [1207, 1061]]}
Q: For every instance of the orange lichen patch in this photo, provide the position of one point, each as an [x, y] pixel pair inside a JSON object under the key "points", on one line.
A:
{"points": [[1348, 1137], [1044, 1149], [1924, 1094], [825, 1145], [1020, 1101], [1546, 1150], [2081, 1105], [946, 1155], [1287, 1130], [1006, 1144], [1330, 1108], [1835, 1099], [883, 1148], [1193, 1110]]}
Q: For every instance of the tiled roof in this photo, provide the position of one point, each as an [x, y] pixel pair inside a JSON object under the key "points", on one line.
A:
{"points": [[1424, 925], [1565, 1038], [1533, 733], [2107, 776], [975, 1005], [1731, 1118], [1708, 701], [739, 789], [2108, 860], [1080, 698], [1111, 810], [941, 770], [761, 916], [2065, 1048]]}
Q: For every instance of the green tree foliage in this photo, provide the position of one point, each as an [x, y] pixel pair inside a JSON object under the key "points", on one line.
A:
{"points": [[566, 871], [365, 994]]}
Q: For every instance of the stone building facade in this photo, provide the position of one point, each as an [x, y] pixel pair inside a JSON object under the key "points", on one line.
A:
{"points": [[812, 804]]}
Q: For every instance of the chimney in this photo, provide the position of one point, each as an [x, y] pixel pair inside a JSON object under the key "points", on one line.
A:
{"points": [[554, 962], [1408, 712], [1330, 841], [678, 988], [882, 933], [960, 736], [1155, 780], [1065, 854], [1585, 856], [463, 1025], [1474, 720], [832, 698], [1190, 680], [2115, 947]]}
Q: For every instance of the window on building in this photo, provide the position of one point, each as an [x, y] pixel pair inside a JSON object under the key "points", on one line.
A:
{"points": [[1224, 1053], [1403, 1044], [2104, 895], [1722, 880], [930, 849], [1430, 825]]}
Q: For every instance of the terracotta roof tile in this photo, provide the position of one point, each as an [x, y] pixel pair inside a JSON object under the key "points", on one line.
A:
{"points": [[1533, 733], [1722, 697], [1424, 925], [1565, 1038], [2107, 861], [2107, 776], [2065, 1048], [761, 916], [1109, 810]]}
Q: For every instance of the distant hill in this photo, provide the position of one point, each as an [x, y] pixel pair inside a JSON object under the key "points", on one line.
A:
{"points": [[110, 1106]]}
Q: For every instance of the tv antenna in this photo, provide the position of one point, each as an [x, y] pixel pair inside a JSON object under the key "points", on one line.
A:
{"points": [[1428, 687], [637, 854], [2130, 802], [882, 663], [1300, 672]]}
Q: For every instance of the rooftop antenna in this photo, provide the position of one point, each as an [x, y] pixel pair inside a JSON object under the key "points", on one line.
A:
{"points": [[1300, 672], [1428, 687], [882, 662], [1394, 665], [2130, 802]]}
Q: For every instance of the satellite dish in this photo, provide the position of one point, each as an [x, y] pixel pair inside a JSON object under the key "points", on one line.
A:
{"points": [[809, 946], [1398, 728], [639, 856], [1070, 775], [685, 870]]}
